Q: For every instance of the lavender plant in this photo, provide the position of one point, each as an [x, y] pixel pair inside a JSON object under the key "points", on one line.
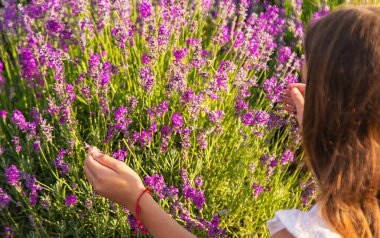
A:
{"points": [[188, 93]]}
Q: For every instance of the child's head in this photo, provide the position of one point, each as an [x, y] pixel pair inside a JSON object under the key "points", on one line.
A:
{"points": [[341, 124]]}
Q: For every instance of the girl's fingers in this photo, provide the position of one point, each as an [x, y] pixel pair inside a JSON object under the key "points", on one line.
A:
{"points": [[288, 100], [96, 168], [290, 109], [89, 175], [110, 162], [92, 150], [300, 86], [299, 101]]}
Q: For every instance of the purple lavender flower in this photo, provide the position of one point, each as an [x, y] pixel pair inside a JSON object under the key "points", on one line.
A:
{"points": [[276, 121], [28, 63], [62, 166], [177, 120], [94, 62], [145, 9], [257, 189], [241, 105], [287, 157], [195, 195], [157, 183], [102, 8], [3, 114], [202, 140], [284, 54], [213, 228], [170, 192], [321, 13], [145, 58], [177, 80], [12, 175], [45, 202], [255, 117], [198, 181], [88, 204], [145, 138], [120, 114], [166, 132], [223, 35], [226, 66], [158, 110], [199, 198], [105, 76], [192, 41], [70, 200], [216, 116], [37, 146], [122, 123], [30, 183], [192, 101], [185, 133], [309, 191], [163, 35], [16, 144], [4, 198], [120, 154], [120, 34], [8, 233], [273, 163], [19, 119], [240, 38], [265, 158], [188, 96], [218, 83], [180, 54], [54, 27], [273, 90], [146, 79]]}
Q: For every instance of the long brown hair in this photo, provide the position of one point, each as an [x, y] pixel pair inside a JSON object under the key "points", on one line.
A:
{"points": [[341, 124]]}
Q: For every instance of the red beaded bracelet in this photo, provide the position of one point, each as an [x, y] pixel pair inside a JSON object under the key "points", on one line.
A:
{"points": [[138, 208]]}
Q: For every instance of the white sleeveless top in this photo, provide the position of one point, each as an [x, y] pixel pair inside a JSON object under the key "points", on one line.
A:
{"points": [[308, 224]]}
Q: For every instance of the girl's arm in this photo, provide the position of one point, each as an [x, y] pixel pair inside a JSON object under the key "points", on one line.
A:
{"points": [[116, 181], [158, 222]]}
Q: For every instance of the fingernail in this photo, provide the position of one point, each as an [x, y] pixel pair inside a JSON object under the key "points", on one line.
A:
{"points": [[295, 91], [94, 151], [98, 156]]}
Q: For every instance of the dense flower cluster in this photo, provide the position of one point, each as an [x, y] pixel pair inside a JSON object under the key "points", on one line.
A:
{"points": [[177, 208], [12, 175], [176, 89]]}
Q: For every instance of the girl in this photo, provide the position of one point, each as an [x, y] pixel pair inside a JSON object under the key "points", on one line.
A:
{"points": [[339, 112]]}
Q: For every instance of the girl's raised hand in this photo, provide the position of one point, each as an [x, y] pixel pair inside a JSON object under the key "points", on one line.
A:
{"points": [[113, 179], [294, 100]]}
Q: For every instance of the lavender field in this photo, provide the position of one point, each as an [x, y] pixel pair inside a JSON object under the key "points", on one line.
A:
{"points": [[187, 93]]}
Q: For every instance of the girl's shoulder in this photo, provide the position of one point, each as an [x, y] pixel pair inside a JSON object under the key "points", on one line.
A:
{"points": [[305, 224]]}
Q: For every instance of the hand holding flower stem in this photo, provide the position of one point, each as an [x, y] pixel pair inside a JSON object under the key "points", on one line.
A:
{"points": [[295, 100], [116, 181]]}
